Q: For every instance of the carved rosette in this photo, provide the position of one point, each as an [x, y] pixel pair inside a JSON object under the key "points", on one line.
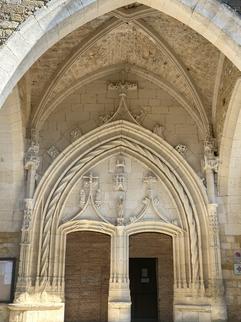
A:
{"points": [[181, 149]]}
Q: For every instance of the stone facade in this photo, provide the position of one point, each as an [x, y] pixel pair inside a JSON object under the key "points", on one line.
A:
{"points": [[119, 138]]}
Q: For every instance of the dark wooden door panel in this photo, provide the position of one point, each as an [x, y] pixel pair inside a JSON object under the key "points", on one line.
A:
{"points": [[143, 286]]}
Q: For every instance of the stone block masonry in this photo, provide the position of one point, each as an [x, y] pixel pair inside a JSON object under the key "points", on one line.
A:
{"points": [[14, 12], [87, 277]]}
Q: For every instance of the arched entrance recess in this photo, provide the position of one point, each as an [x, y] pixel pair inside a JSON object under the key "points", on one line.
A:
{"points": [[197, 272], [50, 24]]}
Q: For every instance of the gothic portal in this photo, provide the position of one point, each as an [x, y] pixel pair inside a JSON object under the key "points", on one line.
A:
{"points": [[120, 161]]}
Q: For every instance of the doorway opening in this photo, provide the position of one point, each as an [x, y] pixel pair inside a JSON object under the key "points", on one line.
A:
{"points": [[143, 287], [87, 273], [151, 277]]}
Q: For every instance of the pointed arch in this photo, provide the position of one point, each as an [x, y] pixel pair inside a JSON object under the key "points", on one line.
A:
{"points": [[185, 187], [52, 23]]}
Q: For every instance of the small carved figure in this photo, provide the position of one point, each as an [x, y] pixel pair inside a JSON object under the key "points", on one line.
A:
{"points": [[139, 117], [32, 162], [159, 130], [98, 198], [32, 158], [53, 152], [104, 118], [82, 198], [120, 181], [120, 211]]}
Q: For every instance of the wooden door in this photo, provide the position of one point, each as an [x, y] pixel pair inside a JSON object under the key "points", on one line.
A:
{"points": [[143, 287]]}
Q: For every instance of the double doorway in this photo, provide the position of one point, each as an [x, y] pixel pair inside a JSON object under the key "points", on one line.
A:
{"points": [[87, 276]]}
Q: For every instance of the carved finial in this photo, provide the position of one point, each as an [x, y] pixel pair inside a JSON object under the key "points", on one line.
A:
{"points": [[122, 112]]}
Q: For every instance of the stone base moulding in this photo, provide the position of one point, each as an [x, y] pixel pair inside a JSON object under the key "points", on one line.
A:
{"points": [[185, 312], [119, 311], [36, 312]]}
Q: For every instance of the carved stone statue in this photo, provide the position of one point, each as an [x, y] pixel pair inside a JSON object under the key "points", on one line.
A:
{"points": [[210, 166], [82, 198], [32, 162], [120, 211], [98, 198]]}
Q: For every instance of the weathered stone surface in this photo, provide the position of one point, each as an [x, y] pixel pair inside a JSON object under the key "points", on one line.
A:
{"points": [[86, 107], [229, 77], [14, 12]]}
